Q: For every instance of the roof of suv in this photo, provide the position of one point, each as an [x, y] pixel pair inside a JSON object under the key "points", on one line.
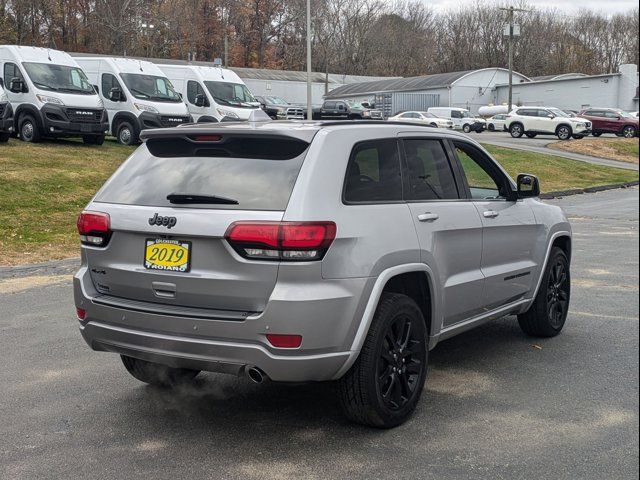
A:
{"points": [[301, 129]]}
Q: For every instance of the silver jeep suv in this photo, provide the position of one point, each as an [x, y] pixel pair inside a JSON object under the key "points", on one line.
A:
{"points": [[314, 251]]}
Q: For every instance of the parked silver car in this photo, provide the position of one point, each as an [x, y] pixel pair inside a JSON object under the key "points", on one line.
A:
{"points": [[314, 251]]}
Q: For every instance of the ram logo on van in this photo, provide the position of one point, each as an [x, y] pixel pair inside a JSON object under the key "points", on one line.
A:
{"points": [[159, 220]]}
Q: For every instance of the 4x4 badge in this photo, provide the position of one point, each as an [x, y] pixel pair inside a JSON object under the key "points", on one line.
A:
{"points": [[163, 221]]}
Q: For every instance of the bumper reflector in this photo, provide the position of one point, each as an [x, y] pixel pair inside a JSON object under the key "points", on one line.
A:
{"points": [[284, 341]]}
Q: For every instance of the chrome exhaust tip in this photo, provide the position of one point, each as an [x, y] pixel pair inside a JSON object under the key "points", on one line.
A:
{"points": [[254, 374]]}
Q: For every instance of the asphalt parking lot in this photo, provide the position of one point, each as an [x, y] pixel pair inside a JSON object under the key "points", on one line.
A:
{"points": [[498, 405]]}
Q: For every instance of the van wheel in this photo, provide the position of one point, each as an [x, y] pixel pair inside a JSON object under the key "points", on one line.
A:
{"points": [[564, 132], [548, 313], [516, 130], [531, 135], [466, 128], [93, 139], [29, 130], [157, 374], [629, 131], [126, 134], [4, 137], [383, 386]]}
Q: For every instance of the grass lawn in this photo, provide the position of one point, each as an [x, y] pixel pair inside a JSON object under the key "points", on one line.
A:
{"points": [[557, 173], [621, 149], [44, 186]]}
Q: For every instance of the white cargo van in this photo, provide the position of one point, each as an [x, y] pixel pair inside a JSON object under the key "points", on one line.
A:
{"points": [[50, 95], [461, 117], [137, 96], [212, 93]]}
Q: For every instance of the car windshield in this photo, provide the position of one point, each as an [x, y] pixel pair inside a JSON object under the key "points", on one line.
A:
{"points": [[428, 115], [625, 115], [466, 114], [150, 87], [276, 101], [558, 113], [232, 94], [59, 78], [569, 114]]}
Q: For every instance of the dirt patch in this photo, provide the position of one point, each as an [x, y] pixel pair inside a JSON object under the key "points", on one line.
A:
{"points": [[15, 285], [620, 149]]}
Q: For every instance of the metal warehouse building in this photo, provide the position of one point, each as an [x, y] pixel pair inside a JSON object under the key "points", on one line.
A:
{"points": [[292, 85], [469, 89], [576, 90]]}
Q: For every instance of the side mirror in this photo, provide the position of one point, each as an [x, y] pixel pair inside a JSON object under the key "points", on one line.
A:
{"points": [[200, 100], [551, 115], [528, 186], [16, 85], [115, 94]]}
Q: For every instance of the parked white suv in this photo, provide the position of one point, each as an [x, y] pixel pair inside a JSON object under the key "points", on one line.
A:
{"points": [[532, 121]]}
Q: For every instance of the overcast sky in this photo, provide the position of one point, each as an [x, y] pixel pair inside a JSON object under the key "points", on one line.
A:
{"points": [[566, 6]]}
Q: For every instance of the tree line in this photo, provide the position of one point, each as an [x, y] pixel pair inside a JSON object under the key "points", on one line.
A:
{"points": [[360, 37]]}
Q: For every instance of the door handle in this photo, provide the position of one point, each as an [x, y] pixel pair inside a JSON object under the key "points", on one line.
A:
{"points": [[490, 214], [428, 217]]}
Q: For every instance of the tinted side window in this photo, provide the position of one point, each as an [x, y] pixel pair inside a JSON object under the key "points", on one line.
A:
{"points": [[329, 105], [193, 90], [524, 112], [11, 71], [373, 173], [483, 177], [109, 82], [428, 172], [613, 115], [456, 114]]}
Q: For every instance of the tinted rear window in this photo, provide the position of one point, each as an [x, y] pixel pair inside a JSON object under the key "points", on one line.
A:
{"points": [[256, 181]]}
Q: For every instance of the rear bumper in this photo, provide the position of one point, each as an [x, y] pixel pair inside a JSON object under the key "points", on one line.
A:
{"points": [[326, 316]]}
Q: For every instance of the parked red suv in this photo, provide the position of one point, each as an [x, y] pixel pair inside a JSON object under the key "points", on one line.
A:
{"points": [[610, 120]]}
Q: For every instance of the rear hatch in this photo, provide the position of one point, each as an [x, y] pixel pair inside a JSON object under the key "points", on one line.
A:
{"points": [[169, 207]]}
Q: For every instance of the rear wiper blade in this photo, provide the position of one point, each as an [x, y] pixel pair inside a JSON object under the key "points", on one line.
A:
{"points": [[187, 198]]}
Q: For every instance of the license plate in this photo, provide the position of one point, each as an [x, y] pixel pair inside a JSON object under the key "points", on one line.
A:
{"points": [[171, 255]]}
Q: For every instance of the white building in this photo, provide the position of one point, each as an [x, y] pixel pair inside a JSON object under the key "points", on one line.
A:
{"points": [[576, 91]]}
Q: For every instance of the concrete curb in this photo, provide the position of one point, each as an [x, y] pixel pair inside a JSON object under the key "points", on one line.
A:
{"points": [[580, 191]]}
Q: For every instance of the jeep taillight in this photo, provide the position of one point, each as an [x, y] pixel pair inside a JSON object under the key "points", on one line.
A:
{"points": [[281, 241], [94, 228]]}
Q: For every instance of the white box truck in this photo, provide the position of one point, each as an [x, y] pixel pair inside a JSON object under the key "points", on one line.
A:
{"points": [[137, 96], [50, 95], [212, 93]]}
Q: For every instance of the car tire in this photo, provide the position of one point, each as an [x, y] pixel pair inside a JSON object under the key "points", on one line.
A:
{"points": [[4, 137], [629, 131], [93, 139], [466, 128], [383, 386], [516, 130], [578, 137], [491, 127], [126, 134], [29, 130], [564, 132], [157, 374], [531, 135], [548, 312], [596, 134]]}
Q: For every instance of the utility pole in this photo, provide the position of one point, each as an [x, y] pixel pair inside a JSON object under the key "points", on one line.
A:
{"points": [[309, 106], [511, 34]]}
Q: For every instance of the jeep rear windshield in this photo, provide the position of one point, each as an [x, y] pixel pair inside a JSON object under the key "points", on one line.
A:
{"points": [[257, 173]]}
